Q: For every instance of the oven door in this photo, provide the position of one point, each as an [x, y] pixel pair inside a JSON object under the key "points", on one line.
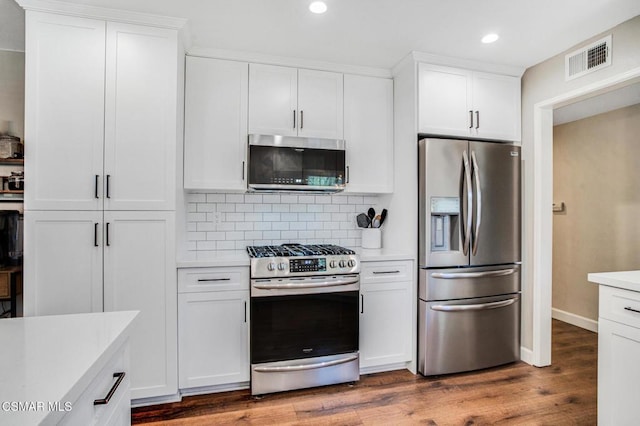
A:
{"points": [[311, 319], [279, 163]]}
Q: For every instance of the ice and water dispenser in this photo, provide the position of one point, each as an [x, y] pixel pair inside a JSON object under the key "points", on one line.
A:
{"points": [[445, 214]]}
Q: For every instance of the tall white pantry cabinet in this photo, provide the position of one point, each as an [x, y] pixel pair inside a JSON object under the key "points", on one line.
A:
{"points": [[100, 162]]}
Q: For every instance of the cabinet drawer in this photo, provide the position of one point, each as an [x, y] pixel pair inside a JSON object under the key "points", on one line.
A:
{"points": [[84, 412], [213, 279], [384, 272], [5, 287], [619, 305]]}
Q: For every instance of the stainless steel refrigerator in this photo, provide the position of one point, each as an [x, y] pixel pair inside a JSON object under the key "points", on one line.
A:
{"points": [[469, 255]]}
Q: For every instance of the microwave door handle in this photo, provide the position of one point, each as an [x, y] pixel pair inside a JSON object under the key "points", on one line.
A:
{"points": [[478, 186], [467, 215]]}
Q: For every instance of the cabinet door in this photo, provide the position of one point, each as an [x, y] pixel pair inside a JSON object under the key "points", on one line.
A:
{"points": [[444, 101], [140, 274], [64, 112], [140, 120], [215, 134], [273, 94], [213, 338], [62, 262], [368, 130], [385, 320], [320, 104], [618, 373], [496, 98]]}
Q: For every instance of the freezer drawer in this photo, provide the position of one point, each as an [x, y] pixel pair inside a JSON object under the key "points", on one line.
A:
{"points": [[466, 283], [470, 334]]}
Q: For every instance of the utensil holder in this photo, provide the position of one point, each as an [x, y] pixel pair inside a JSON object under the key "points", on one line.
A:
{"points": [[371, 238]]}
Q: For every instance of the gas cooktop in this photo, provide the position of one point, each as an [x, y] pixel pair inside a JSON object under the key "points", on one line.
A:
{"points": [[288, 250], [302, 260]]}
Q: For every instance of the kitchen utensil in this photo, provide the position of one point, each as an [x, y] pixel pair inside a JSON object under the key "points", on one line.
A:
{"points": [[383, 216], [363, 220], [371, 213], [375, 223]]}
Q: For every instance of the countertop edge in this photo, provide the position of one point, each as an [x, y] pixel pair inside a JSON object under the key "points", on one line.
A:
{"points": [[626, 280]]}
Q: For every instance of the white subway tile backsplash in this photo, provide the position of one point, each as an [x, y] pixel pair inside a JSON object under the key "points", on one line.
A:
{"points": [[234, 221]]}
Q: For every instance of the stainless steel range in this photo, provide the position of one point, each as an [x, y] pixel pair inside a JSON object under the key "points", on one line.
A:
{"points": [[304, 316]]}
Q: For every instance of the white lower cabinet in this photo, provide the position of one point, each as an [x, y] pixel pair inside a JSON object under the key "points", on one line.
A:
{"points": [[618, 355], [112, 380], [385, 314], [84, 261], [213, 324]]}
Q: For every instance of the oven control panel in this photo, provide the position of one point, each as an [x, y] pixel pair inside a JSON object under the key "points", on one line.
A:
{"points": [[308, 265]]}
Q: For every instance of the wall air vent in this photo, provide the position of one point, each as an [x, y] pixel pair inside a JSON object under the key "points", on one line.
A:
{"points": [[588, 59]]}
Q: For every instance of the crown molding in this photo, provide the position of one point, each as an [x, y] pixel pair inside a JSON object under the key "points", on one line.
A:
{"points": [[287, 61], [469, 64], [84, 11]]}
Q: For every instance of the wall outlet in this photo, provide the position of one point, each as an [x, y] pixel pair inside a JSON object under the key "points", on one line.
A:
{"points": [[217, 218]]}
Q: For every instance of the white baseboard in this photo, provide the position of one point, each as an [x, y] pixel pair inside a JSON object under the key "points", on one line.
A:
{"points": [[143, 402], [526, 355], [573, 319], [386, 367], [214, 389]]}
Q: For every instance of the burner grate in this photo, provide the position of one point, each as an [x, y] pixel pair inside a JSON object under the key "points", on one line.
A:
{"points": [[289, 250]]}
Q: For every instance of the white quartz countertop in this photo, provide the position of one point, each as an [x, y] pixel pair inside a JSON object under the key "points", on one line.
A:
{"points": [[52, 359], [627, 280], [211, 259]]}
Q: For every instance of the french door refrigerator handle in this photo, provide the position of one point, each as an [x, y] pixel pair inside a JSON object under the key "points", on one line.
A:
{"points": [[478, 307], [464, 275], [476, 177], [466, 230]]}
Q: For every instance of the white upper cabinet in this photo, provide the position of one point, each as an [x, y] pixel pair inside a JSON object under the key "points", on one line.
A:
{"points": [[320, 104], [291, 102], [368, 132], [457, 102], [100, 110], [140, 119], [64, 114], [215, 134]]}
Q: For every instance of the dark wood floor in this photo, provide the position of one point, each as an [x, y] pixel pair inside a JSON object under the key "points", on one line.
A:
{"points": [[562, 394]]}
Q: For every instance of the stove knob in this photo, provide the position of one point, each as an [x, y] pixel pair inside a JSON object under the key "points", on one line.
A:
{"points": [[281, 266], [351, 263], [343, 263], [332, 264], [271, 266]]}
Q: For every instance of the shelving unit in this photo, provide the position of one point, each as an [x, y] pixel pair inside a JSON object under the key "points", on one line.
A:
{"points": [[6, 166]]}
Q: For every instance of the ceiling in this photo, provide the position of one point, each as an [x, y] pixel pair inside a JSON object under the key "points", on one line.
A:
{"points": [[377, 33]]}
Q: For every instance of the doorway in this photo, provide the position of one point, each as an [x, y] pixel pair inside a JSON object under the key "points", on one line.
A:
{"points": [[543, 201]]}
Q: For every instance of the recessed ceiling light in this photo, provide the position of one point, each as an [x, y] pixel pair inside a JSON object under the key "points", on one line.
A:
{"points": [[490, 38], [318, 7]]}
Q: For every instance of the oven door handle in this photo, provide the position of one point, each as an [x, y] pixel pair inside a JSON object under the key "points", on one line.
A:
{"points": [[305, 366], [293, 286]]}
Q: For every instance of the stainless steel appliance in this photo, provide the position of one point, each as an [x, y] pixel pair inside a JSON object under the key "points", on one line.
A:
{"points": [[289, 163], [304, 316], [469, 255]]}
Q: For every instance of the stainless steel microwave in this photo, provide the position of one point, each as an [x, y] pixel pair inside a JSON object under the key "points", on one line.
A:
{"points": [[289, 163]]}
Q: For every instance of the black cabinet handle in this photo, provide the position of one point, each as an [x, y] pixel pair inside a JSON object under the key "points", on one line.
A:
{"points": [[385, 272], [471, 119], [213, 279], [245, 311], [294, 118], [95, 234], [632, 310], [362, 303], [106, 236], [243, 170], [97, 177], [477, 119], [301, 119], [114, 388], [108, 194], [347, 174]]}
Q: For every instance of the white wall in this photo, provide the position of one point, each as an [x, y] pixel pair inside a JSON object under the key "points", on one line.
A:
{"points": [[542, 82], [12, 93]]}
